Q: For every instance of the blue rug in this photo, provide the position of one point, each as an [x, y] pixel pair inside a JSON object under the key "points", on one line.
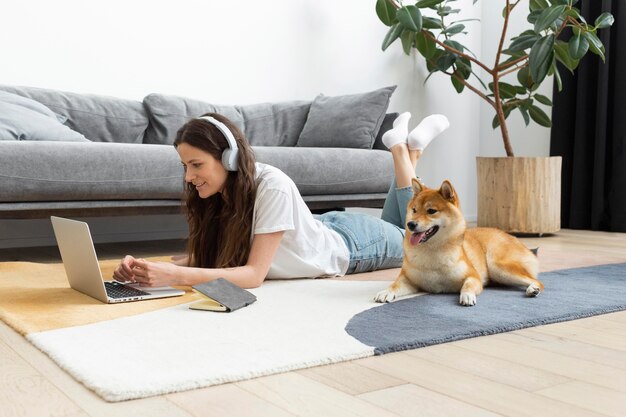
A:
{"points": [[438, 318]]}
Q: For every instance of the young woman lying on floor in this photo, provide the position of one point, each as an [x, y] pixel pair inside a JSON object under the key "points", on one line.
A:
{"points": [[248, 222]]}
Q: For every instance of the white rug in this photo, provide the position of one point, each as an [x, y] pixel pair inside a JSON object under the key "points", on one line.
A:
{"points": [[293, 325]]}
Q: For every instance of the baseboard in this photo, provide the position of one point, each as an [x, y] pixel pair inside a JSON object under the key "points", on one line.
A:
{"points": [[38, 232]]}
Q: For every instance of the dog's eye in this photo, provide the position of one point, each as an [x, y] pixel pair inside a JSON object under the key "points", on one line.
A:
{"points": [[413, 210], [431, 211]]}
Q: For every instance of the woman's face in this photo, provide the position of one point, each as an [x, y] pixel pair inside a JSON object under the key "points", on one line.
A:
{"points": [[202, 170]]}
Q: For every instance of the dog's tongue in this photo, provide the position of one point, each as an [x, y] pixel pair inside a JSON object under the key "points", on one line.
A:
{"points": [[416, 237]]}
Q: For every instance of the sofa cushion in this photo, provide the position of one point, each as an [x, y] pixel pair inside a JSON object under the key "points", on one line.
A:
{"points": [[73, 171], [265, 124], [25, 119], [274, 124], [30, 104], [350, 121], [168, 113], [98, 118], [56, 172], [327, 171]]}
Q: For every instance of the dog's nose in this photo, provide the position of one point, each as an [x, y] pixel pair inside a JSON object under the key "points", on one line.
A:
{"points": [[411, 225]]}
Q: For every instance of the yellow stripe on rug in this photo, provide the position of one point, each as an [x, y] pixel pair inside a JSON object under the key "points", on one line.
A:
{"points": [[35, 297]]}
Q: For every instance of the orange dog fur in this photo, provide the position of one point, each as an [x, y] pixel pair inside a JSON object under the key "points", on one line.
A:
{"points": [[442, 256]]}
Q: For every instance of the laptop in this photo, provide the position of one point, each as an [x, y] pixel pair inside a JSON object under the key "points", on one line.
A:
{"points": [[83, 271]]}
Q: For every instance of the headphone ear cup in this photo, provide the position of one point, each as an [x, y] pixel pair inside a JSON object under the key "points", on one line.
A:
{"points": [[229, 159]]}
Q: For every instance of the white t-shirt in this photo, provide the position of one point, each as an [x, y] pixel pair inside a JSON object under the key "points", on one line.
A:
{"points": [[308, 248]]}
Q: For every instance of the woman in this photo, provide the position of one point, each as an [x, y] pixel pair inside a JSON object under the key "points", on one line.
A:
{"points": [[248, 222]]}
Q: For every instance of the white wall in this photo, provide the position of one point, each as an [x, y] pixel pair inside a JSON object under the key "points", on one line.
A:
{"points": [[246, 51]]}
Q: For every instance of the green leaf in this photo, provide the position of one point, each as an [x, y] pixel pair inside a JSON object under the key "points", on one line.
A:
{"points": [[533, 16], [386, 12], [575, 13], [548, 17], [407, 37], [524, 115], [446, 61], [392, 34], [464, 67], [425, 45], [458, 85], [507, 111], [578, 46], [410, 17], [523, 42], [520, 90], [431, 64], [540, 58], [604, 20], [595, 44], [506, 90], [431, 23], [453, 30], [539, 116], [559, 82], [562, 55], [524, 77], [465, 20], [428, 3], [454, 44], [538, 5], [543, 99]]}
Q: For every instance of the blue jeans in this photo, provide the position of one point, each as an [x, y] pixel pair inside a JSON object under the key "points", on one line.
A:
{"points": [[373, 243]]}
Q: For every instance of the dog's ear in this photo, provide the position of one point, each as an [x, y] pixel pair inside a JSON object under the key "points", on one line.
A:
{"points": [[417, 186], [448, 192]]}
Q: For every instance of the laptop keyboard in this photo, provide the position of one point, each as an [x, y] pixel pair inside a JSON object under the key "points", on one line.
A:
{"points": [[117, 290]]}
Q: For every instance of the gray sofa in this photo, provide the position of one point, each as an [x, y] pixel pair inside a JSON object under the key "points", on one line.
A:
{"points": [[125, 163]]}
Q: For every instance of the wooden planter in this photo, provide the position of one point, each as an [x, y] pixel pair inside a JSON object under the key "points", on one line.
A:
{"points": [[519, 194]]}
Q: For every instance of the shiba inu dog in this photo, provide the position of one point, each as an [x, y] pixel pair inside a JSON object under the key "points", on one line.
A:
{"points": [[442, 256]]}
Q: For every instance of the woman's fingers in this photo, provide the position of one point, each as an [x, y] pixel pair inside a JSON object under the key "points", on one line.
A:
{"points": [[124, 271], [127, 265]]}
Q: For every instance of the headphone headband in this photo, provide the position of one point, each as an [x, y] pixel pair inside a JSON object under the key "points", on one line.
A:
{"points": [[229, 156]]}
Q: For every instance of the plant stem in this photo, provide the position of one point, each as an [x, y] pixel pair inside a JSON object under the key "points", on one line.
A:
{"points": [[513, 70], [496, 86], [510, 64], [471, 87], [457, 52]]}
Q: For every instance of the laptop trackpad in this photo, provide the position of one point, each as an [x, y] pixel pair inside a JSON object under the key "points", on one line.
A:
{"points": [[156, 290]]}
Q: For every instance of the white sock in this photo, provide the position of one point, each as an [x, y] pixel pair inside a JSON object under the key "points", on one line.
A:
{"points": [[427, 130], [399, 132]]}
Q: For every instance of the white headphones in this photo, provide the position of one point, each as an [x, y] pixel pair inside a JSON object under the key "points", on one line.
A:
{"points": [[230, 155]]}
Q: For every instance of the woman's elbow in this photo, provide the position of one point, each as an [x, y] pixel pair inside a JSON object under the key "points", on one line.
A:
{"points": [[254, 282]]}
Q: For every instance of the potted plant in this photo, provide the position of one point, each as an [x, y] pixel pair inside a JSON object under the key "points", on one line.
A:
{"points": [[507, 186]]}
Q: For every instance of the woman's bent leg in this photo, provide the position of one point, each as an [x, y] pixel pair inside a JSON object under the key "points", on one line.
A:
{"points": [[394, 209], [373, 243]]}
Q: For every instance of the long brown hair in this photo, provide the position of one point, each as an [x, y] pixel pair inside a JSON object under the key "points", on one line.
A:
{"points": [[220, 226]]}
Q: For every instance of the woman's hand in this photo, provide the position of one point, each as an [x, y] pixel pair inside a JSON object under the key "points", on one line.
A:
{"points": [[124, 271], [146, 273]]}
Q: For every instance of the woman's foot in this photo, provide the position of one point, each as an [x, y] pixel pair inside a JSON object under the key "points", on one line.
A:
{"points": [[399, 132], [427, 130]]}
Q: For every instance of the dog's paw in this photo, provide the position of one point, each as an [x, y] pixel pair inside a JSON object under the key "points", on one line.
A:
{"points": [[385, 296], [533, 290], [467, 299]]}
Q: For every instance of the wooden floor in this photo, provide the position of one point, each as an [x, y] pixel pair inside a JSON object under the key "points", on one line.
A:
{"points": [[576, 368]]}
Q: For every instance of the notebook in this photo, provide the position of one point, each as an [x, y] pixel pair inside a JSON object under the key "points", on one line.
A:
{"points": [[221, 295], [83, 271]]}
